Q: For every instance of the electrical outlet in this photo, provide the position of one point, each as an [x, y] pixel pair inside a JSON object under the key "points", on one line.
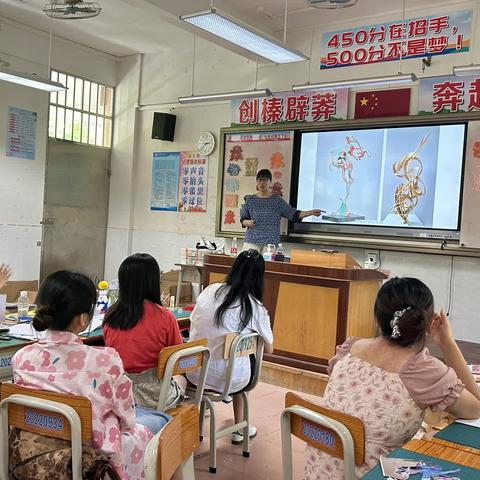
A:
{"points": [[371, 258]]}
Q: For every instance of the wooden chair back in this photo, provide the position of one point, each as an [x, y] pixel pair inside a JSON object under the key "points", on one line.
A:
{"points": [[321, 437], [178, 440], [45, 422], [185, 363]]}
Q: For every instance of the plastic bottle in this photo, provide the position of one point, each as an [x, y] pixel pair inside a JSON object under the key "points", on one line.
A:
{"points": [[233, 248], [22, 307], [102, 300], [280, 256], [269, 255]]}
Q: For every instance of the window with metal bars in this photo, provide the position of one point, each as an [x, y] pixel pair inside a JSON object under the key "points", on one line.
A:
{"points": [[82, 113]]}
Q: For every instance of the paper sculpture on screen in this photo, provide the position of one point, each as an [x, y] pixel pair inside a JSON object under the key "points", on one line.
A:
{"points": [[342, 160], [410, 168]]}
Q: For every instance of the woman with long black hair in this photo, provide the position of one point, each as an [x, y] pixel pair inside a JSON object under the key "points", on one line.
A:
{"points": [[233, 306], [138, 328]]}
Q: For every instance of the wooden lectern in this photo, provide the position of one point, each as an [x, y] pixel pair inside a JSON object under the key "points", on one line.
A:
{"points": [[313, 308]]}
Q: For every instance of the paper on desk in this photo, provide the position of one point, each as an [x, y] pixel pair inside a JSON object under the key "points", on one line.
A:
{"points": [[472, 423], [97, 321], [25, 330]]}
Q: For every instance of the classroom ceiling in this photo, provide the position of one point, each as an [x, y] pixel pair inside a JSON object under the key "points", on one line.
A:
{"points": [[133, 26]]}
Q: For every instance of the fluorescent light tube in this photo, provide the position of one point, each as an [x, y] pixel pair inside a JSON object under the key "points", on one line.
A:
{"points": [[466, 71], [212, 97], [233, 31], [361, 82], [29, 80]]}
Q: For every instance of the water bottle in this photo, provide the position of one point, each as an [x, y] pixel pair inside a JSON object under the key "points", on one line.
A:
{"points": [[279, 256], [233, 248], [22, 305]]}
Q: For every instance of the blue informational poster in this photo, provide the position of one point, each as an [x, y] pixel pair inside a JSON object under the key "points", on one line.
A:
{"points": [[165, 172], [21, 133]]}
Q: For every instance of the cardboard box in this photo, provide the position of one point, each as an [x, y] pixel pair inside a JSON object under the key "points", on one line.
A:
{"points": [[13, 289]]}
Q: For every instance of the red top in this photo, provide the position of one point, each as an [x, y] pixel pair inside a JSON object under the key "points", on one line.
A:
{"points": [[139, 347]]}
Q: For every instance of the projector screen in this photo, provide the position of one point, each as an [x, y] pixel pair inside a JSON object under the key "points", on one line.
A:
{"points": [[401, 181]]}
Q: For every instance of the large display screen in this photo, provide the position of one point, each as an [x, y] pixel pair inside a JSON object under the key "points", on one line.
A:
{"points": [[402, 180]]}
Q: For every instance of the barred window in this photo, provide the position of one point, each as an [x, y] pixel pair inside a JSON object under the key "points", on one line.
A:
{"points": [[83, 113]]}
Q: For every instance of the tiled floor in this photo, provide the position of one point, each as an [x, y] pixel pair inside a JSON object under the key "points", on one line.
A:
{"points": [[265, 462]]}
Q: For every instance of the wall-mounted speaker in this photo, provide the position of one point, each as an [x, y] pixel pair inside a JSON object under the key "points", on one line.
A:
{"points": [[163, 127]]}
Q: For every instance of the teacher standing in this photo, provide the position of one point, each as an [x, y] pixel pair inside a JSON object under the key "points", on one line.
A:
{"points": [[261, 214]]}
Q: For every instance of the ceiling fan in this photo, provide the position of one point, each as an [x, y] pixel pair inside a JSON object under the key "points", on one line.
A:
{"points": [[332, 3], [72, 9]]}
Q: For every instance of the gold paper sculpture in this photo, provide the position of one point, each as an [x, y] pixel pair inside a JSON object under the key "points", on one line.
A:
{"points": [[410, 167]]}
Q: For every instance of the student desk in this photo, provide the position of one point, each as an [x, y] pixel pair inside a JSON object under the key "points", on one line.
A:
{"points": [[438, 449], [8, 348]]}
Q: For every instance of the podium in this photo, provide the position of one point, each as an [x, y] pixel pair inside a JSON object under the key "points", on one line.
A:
{"points": [[312, 308]]}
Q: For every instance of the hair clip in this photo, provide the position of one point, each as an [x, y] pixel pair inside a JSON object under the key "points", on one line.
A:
{"points": [[394, 322]]}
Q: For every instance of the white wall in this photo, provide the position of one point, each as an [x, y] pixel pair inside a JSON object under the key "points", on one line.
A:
{"points": [[168, 74], [22, 181]]}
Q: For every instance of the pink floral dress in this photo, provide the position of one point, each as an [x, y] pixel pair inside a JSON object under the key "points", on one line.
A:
{"points": [[390, 405], [62, 363]]}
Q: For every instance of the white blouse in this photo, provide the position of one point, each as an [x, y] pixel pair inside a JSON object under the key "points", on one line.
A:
{"points": [[203, 326]]}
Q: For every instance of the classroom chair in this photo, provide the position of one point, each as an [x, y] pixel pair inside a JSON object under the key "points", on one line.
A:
{"points": [[236, 345], [335, 433], [178, 360], [173, 446], [58, 415]]}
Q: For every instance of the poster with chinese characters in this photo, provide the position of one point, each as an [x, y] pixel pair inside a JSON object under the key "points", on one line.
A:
{"points": [[245, 154], [470, 230], [21, 133], [385, 42], [165, 169], [289, 107], [193, 180], [449, 95]]}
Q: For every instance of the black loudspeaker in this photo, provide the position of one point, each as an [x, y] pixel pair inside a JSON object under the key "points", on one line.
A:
{"points": [[163, 127]]}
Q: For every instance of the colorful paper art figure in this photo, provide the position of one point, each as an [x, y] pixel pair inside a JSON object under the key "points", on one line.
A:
{"points": [[234, 169], [342, 160], [231, 200], [251, 166], [276, 161], [236, 153], [229, 218], [410, 168], [277, 189]]}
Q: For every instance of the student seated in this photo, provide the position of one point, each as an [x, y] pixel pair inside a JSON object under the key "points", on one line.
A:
{"points": [[138, 328], [61, 362], [233, 306], [388, 381]]}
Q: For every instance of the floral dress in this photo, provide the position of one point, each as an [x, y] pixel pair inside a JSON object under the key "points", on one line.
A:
{"points": [[390, 405], [62, 363]]}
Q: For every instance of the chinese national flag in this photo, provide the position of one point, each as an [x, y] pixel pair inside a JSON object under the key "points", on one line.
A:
{"points": [[382, 103]]}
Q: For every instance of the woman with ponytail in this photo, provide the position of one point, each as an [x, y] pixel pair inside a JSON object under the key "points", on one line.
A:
{"points": [[390, 380], [61, 362], [233, 306]]}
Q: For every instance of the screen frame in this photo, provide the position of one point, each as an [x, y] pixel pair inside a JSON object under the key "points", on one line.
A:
{"points": [[347, 231]]}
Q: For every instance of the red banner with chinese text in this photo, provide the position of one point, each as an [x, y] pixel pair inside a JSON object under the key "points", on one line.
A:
{"points": [[449, 94], [439, 34]]}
